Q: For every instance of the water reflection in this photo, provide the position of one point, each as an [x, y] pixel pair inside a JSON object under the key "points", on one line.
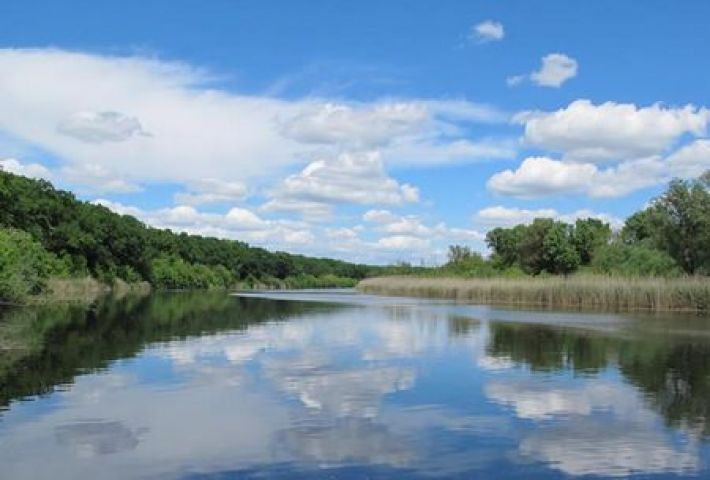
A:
{"points": [[202, 385], [672, 371]]}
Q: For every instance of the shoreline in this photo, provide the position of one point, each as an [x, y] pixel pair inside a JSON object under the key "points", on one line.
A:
{"points": [[584, 292]]}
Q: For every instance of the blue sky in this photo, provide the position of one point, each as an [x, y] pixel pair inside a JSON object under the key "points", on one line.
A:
{"points": [[371, 131]]}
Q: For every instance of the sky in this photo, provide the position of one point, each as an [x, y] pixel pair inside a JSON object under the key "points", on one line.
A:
{"points": [[370, 131]]}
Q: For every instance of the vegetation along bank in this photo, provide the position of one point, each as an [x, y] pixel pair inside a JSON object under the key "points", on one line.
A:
{"points": [[47, 234], [659, 260]]}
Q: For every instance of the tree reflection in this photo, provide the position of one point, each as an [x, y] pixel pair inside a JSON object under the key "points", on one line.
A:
{"points": [[673, 372], [44, 347]]}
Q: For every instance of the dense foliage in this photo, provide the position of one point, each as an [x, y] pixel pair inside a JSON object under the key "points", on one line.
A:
{"points": [[670, 237], [547, 245], [92, 240], [677, 223], [25, 265]]}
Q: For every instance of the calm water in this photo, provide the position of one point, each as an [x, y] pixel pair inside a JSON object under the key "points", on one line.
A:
{"points": [[339, 385]]}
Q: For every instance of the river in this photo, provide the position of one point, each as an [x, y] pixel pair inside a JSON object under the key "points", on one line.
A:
{"points": [[335, 384]]}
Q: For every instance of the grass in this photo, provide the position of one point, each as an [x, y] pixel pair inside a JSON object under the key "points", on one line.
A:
{"points": [[85, 290], [574, 292]]}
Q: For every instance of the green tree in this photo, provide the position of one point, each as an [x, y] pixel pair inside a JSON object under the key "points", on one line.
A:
{"points": [[459, 254], [559, 253], [25, 265], [682, 221], [589, 235], [505, 244], [676, 223]]}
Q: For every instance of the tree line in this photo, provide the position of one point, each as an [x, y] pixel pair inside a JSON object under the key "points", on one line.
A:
{"points": [[670, 237], [46, 231]]}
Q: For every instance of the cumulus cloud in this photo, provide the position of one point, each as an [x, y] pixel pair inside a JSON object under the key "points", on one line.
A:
{"points": [[556, 69], [31, 170], [583, 131], [379, 216], [99, 127], [542, 176], [238, 224], [212, 190], [358, 178], [500, 216], [403, 242], [410, 233], [692, 160], [487, 31]]}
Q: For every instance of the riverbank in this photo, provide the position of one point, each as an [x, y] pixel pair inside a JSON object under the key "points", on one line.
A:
{"points": [[574, 292], [84, 290]]}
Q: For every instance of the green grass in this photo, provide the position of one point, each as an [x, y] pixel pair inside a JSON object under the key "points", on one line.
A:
{"points": [[574, 292]]}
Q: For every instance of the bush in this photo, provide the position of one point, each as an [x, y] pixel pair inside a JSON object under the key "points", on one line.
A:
{"points": [[25, 265], [634, 260], [173, 273]]}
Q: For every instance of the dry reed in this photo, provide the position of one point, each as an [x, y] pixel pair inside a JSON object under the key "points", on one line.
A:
{"points": [[574, 292]]}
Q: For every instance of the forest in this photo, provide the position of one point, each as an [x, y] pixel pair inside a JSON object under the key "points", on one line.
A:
{"points": [[46, 232]]}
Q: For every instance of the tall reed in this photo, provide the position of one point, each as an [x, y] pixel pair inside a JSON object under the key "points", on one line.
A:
{"points": [[574, 292]]}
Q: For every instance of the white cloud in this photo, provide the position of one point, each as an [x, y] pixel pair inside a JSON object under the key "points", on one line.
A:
{"points": [[212, 190], [237, 223], [411, 234], [402, 242], [542, 176], [31, 170], [487, 31], [96, 178], [364, 127], [539, 176], [379, 216], [358, 178], [99, 127], [555, 70], [515, 80], [245, 219], [611, 131], [82, 107], [500, 216], [343, 233], [504, 216], [410, 225], [692, 160]]}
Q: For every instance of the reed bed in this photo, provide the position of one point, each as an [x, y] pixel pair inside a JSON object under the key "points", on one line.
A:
{"points": [[86, 289], [574, 292]]}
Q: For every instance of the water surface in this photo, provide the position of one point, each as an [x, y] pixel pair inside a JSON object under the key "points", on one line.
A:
{"points": [[341, 385]]}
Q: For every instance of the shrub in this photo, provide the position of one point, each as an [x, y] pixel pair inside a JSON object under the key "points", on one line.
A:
{"points": [[634, 260], [25, 265]]}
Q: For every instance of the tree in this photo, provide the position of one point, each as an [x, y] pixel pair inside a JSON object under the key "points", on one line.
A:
{"points": [[677, 222], [25, 265], [505, 244], [531, 245], [559, 254], [589, 235], [459, 254]]}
